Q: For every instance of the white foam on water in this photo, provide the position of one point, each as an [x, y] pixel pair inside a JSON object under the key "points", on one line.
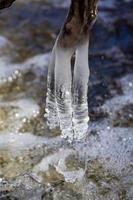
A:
{"points": [[111, 144], [25, 107], [114, 144], [37, 63], [19, 112], [119, 101], [20, 142]]}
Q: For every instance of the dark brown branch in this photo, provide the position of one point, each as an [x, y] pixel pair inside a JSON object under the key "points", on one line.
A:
{"points": [[5, 3], [81, 17]]}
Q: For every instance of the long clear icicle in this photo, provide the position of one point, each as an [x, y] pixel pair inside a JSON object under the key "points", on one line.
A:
{"points": [[63, 82], [51, 109], [66, 103], [80, 88]]}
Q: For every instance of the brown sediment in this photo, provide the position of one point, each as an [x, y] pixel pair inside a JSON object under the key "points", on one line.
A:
{"points": [[81, 16]]}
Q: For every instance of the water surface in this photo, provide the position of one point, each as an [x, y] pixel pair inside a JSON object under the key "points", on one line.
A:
{"points": [[36, 162]]}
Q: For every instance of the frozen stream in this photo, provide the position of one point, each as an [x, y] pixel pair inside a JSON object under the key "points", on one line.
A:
{"points": [[100, 165], [36, 163]]}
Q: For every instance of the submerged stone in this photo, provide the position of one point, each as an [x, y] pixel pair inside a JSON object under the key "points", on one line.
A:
{"points": [[73, 163], [12, 165], [51, 176], [124, 116], [6, 120], [37, 126]]}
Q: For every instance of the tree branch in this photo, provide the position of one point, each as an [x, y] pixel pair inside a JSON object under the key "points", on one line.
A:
{"points": [[81, 16], [5, 3]]}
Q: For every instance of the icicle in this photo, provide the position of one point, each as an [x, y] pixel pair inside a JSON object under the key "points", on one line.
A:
{"points": [[51, 108], [66, 103], [80, 88], [63, 82]]}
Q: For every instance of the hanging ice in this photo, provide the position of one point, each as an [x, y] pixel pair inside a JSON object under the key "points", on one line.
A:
{"points": [[66, 103]]}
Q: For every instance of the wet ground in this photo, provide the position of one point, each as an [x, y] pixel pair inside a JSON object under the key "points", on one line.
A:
{"points": [[36, 163]]}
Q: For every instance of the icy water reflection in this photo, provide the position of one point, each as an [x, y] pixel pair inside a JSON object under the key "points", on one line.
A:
{"points": [[36, 162]]}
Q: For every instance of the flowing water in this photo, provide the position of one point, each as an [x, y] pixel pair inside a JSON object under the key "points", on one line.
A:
{"points": [[36, 162]]}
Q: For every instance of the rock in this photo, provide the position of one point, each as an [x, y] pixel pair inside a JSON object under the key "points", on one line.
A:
{"points": [[96, 113], [24, 187], [124, 116], [12, 166], [73, 163], [12, 116], [51, 176], [6, 120], [106, 184], [37, 126]]}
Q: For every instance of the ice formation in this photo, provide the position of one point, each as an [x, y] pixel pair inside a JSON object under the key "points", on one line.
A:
{"points": [[66, 103]]}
